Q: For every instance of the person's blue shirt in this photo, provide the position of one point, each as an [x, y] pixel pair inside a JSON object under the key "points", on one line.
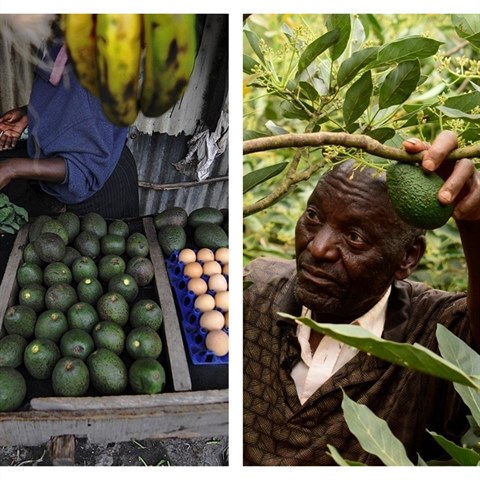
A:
{"points": [[67, 121]]}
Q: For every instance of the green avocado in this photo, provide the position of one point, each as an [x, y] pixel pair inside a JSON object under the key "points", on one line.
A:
{"points": [[146, 313], [20, 319], [146, 376], [137, 245], [13, 389], [40, 357], [125, 285], [413, 194], [109, 266], [33, 296], [144, 342], [205, 215], [141, 269], [76, 343], [70, 377], [60, 296], [84, 267], [109, 335], [88, 244], [51, 324], [108, 373], [28, 273], [171, 238], [49, 247], [210, 236], [94, 223], [11, 350], [71, 223], [56, 272], [112, 306], [171, 216]]}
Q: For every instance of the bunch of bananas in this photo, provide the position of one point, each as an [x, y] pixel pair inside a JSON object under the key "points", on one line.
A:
{"points": [[108, 51]]}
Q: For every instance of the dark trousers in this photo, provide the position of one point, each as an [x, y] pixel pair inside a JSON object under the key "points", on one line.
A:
{"points": [[117, 199]]}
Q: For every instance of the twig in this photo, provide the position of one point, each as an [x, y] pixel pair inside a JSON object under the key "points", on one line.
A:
{"points": [[177, 186], [363, 142]]}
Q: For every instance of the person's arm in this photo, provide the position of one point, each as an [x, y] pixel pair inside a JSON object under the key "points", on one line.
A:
{"points": [[46, 169], [462, 188]]}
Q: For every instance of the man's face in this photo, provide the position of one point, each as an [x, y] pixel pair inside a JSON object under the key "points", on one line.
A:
{"points": [[346, 247]]}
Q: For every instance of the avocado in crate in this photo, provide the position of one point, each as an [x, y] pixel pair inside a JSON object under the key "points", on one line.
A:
{"points": [[101, 258]]}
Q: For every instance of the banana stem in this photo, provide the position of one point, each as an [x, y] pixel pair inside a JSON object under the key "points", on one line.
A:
{"points": [[363, 142]]}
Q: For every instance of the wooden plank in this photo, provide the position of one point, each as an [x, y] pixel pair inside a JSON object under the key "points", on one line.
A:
{"points": [[33, 428], [62, 450], [176, 350], [129, 401], [8, 287]]}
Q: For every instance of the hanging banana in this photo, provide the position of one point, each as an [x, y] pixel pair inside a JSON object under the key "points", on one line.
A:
{"points": [[170, 50], [119, 51], [79, 30]]}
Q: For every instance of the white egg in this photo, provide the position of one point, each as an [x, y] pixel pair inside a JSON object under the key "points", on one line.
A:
{"points": [[204, 302], [218, 283], [217, 342], [212, 320], [221, 300], [211, 268]]}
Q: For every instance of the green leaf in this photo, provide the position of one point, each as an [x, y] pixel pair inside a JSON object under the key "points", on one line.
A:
{"points": [[381, 134], [465, 102], [254, 42], [343, 23], [456, 351], [370, 22], [275, 129], [468, 27], [413, 356], [454, 113], [408, 48], [399, 84], [463, 456], [357, 98], [252, 179], [352, 65], [249, 64], [316, 48], [342, 461], [374, 434]]}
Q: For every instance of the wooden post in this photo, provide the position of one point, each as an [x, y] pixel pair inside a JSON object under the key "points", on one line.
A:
{"points": [[62, 450]]}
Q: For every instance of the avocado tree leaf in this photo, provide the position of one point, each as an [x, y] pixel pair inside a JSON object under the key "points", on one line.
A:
{"points": [[357, 98], [316, 48], [408, 48], [466, 457], [249, 64], [252, 179], [382, 134], [399, 84], [468, 27], [465, 102], [351, 66], [342, 462], [455, 113], [254, 42], [374, 434], [343, 23], [407, 355], [456, 351]]}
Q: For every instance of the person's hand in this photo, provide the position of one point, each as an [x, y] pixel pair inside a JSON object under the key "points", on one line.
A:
{"points": [[462, 179], [12, 125]]}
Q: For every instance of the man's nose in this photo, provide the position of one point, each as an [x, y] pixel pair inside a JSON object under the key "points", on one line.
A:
{"points": [[324, 245]]}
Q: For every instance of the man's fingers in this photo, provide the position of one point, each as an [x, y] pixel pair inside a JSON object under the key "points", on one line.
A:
{"points": [[443, 144], [461, 175], [414, 145]]}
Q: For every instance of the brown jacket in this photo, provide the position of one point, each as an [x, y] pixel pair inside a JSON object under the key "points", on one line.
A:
{"points": [[278, 430]]}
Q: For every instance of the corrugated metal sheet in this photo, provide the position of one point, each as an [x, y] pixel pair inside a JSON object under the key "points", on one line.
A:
{"points": [[159, 143]]}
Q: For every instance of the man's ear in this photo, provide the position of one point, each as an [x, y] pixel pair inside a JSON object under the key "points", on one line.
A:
{"points": [[412, 256]]}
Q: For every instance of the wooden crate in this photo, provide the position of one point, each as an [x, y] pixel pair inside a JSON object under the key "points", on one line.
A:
{"points": [[182, 413]]}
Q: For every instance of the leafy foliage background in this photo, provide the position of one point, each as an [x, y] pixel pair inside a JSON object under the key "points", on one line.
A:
{"points": [[387, 76]]}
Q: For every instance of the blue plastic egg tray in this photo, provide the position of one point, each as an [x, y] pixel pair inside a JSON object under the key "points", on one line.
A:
{"points": [[190, 316]]}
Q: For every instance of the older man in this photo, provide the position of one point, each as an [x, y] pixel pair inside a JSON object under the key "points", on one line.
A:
{"points": [[353, 257]]}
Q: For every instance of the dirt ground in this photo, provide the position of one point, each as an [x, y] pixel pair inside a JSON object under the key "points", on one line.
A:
{"points": [[171, 452]]}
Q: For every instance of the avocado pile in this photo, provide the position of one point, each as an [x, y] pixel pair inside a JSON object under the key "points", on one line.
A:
{"points": [[81, 321]]}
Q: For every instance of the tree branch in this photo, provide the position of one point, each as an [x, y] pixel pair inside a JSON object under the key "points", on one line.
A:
{"points": [[363, 142]]}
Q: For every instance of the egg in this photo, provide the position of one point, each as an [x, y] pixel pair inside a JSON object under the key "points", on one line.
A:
{"points": [[205, 255], [221, 255], [211, 268], [212, 320], [187, 255], [204, 302], [218, 283], [225, 269], [226, 317], [197, 285], [193, 270], [221, 300], [217, 342]]}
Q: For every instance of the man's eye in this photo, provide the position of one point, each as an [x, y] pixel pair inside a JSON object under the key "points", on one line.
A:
{"points": [[355, 238], [311, 214]]}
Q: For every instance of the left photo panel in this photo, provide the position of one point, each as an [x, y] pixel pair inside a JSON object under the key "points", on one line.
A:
{"points": [[114, 240]]}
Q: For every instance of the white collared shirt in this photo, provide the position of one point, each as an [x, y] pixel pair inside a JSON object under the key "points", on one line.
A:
{"points": [[315, 369]]}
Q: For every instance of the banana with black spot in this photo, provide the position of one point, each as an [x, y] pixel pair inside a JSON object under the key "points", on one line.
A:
{"points": [[119, 49], [79, 32], [170, 49]]}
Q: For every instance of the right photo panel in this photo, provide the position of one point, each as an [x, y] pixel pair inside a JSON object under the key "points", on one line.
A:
{"points": [[361, 227]]}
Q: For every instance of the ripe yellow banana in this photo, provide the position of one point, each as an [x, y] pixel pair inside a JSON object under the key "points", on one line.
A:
{"points": [[79, 31], [170, 49], [119, 51]]}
